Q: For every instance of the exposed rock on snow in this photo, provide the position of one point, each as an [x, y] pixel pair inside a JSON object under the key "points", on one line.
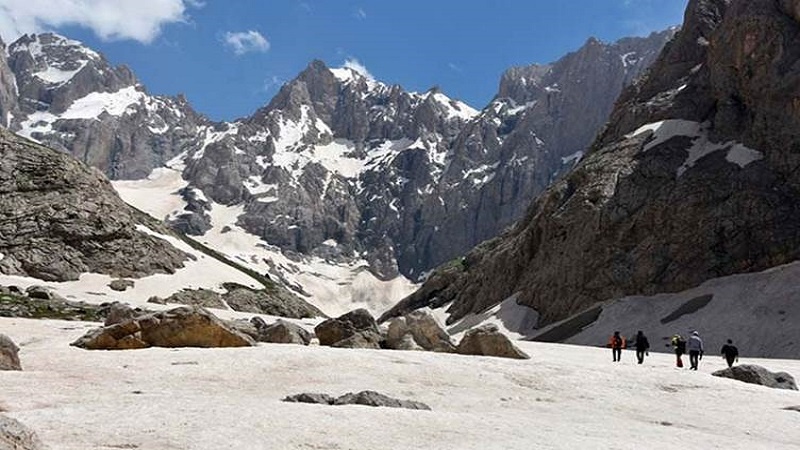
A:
{"points": [[758, 375], [487, 340], [366, 398], [16, 436], [283, 332], [418, 330], [356, 329], [9, 354], [180, 327], [121, 284], [17, 304]]}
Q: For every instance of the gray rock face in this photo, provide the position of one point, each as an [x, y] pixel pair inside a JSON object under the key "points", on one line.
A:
{"points": [[661, 211], [9, 354], [418, 330], [16, 436], [58, 219], [283, 332], [180, 327], [486, 340], [356, 329], [366, 398], [120, 312], [8, 89], [58, 78], [758, 375]]}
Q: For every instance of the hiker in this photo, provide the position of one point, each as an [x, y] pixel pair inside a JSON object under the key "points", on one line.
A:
{"points": [[642, 346], [730, 353], [695, 347], [617, 343], [679, 346]]}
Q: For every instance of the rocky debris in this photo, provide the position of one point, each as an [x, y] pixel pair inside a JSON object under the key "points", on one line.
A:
{"points": [[9, 354], [356, 329], [753, 374], [645, 214], [487, 340], [59, 219], [20, 305], [269, 300], [16, 436], [121, 284], [42, 293], [366, 398], [180, 327], [418, 330], [283, 332], [205, 298]]}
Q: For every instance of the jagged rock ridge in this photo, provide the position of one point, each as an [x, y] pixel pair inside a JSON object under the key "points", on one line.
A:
{"points": [[694, 178]]}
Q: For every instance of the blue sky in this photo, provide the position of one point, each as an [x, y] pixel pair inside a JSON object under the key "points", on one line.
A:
{"points": [[230, 56]]}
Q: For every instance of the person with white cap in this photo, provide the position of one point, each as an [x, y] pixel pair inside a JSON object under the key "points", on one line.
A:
{"points": [[695, 347]]}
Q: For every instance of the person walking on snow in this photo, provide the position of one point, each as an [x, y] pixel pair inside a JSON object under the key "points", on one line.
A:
{"points": [[679, 346], [730, 353], [695, 347], [642, 345], [617, 343]]}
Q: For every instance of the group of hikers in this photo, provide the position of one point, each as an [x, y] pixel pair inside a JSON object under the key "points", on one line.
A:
{"points": [[694, 345]]}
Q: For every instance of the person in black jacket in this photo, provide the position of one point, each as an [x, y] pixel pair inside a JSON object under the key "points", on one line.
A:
{"points": [[642, 346], [730, 353]]}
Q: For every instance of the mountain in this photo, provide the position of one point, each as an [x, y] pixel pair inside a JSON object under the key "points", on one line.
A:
{"points": [[342, 187], [694, 178], [70, 98]]}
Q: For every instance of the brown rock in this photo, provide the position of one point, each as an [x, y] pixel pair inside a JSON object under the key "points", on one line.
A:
{"points": [[359, 321], [424, 331], [9, 354], [488, 341]]}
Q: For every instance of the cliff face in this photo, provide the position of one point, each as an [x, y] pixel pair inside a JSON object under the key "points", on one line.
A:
{"points": [[695, 177], [59, 218]]}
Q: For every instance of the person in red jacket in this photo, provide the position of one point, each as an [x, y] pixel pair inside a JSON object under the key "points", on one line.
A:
{"points": [[617, 343]]}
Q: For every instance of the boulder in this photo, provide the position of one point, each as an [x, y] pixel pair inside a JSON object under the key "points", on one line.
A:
{"points": [[120, 284], [418, 329], [364, 339], [366, 398], [283, 332], [16, 436], [359, 321], [9, 354], [180, 327], [758, 375], [41, 292], [487, 340], [120, 312]]}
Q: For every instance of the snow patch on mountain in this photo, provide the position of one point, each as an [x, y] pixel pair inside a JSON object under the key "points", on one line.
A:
{"points": [[665, 130]]}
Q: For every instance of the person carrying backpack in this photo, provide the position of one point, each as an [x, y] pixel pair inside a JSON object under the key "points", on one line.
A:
{"points": [[642, 346], [617, 343], [695, 347], [730, 353], [679, 347]]}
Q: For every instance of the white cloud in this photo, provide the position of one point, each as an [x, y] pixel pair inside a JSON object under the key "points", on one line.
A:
{"points": [[273, 82], [242, 42], [454, 67], [354, 65], [139, 20], [361, 14]]}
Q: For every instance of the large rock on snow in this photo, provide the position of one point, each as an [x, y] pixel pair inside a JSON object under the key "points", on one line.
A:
{"points": [[9, 354], [418, 330], [180, 327], [487, 340], [366, 398], [120, 312], [758, 375], [356, 329], [283, 332], [16, 436]]}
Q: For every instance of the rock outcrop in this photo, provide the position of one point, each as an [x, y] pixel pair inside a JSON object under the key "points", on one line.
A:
{"points": [[487, 340], [418, 330], [283, 332], [180, 327], [14, 435], [356, 329], [59, 218], [758, 375], [9, 354], [693, 178], [366, 398]]}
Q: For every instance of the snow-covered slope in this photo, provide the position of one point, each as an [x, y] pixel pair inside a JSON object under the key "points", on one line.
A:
{"points": [[565, 397]]}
